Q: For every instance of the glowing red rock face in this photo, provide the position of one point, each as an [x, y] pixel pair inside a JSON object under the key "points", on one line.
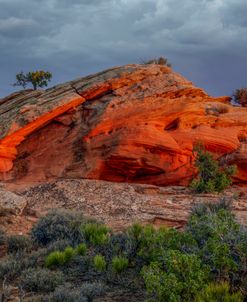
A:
{"points": [[134, 123]]}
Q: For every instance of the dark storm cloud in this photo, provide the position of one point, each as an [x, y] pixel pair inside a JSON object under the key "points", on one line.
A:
{"points": [[206, 40]]}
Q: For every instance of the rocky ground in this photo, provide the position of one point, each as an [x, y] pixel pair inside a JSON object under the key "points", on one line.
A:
{"points": [[116, 204]]}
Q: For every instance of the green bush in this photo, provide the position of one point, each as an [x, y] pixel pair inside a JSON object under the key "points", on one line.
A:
{"points": [[218, 293], [58, 225], [240, 96], [18, 243], [222, 243], [153, 242], [60, 257], [119, 264], [69, 253], [176, 277], [40, 280], [95, 233], [212, 177], [55, 258], [81, 249], [99, 263]]}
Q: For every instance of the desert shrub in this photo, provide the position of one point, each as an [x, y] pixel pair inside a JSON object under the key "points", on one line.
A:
{"points": [[121, 244], [99, 263], [2, 237], [240, 96], [81, 249], [215, 292], [95, 233], [160, 61], [67, 294], [40, 280], [10, 268], [92, 290], [222, 243], [37, 78], [151, 243], [177, 277], [79, 267], [119, 264], [59, 245], [58, 225], [18, 243], [212, 177]]}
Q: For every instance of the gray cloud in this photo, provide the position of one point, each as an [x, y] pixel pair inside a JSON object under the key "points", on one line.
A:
{"points": [[206, 40]]}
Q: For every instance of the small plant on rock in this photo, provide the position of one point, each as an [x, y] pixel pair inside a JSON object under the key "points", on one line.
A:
{"points": [[160, 61], [211, 177], [240, 96]]}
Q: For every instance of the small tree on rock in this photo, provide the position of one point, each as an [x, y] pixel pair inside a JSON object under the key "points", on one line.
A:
{"points": [[211, 177], [37, 78], [240, 96]]}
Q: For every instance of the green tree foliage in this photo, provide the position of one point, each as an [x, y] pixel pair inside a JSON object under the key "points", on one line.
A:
{"points": [[240, 96], [176, 277], [222, 243], [37, 78], [215, 292], [212, 177]]}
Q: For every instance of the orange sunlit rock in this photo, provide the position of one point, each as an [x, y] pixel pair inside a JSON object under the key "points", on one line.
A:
{"points": [[136, 123]]}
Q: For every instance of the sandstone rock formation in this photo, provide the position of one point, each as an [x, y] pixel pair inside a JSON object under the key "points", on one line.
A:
{"points": [[136, 123]]}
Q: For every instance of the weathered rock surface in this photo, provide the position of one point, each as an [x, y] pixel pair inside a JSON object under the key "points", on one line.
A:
{"points": [[11, 203], [119, 204], [136, 123]]}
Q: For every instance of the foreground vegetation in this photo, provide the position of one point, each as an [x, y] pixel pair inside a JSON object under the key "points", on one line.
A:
{"points": [[70, 258]]}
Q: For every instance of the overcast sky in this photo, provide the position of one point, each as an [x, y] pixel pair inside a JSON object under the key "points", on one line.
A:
{"points": [[205, 40]]}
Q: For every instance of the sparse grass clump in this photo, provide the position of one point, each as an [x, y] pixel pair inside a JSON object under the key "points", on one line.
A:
{"points": [[81, 249], [95, 233], [119, 264], [218, 292], [99, 263]]}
